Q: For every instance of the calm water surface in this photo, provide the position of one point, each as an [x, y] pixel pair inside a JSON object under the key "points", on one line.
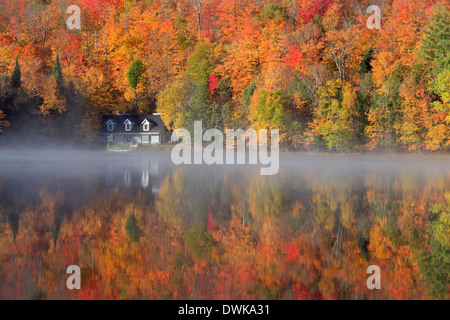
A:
{"points": [[141, 228]]}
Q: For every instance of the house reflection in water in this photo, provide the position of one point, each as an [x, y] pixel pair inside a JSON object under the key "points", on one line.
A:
{"points": [[144, 179], [127, 179], [144, 176]]}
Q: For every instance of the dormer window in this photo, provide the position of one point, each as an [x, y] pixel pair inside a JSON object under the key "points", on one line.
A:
{"points": [[145, 125], [110, 125], [128, 125]]}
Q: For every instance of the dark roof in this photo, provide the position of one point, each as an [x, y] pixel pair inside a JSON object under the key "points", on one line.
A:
{"points": [[156, 123]]}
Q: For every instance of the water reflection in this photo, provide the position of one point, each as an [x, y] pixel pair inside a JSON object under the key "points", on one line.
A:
{"points": [[141, 228]]}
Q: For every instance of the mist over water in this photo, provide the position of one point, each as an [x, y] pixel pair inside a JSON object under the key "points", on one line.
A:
{"points": [[82, 160], [308, 232]]}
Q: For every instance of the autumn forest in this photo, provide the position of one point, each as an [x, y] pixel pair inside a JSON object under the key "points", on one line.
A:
{"points": [[312, 69], [364, 123]]}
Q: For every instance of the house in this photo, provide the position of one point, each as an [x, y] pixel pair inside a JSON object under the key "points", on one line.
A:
{"points": [[148, 129]]}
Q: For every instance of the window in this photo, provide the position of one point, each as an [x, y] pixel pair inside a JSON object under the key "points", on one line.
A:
{"points": [[128, 125], [145, 125], [154, 139], [110, 126]]}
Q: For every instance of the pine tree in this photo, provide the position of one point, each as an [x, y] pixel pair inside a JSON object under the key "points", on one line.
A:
{"points": [[57, 73], [134, 74], [16, 77], [365, 65]]}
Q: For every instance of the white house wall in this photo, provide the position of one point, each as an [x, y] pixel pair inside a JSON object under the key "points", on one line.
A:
{"points": [[131, 137]]}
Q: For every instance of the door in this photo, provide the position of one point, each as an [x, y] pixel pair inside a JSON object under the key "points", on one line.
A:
{"points": [[154, 139]]}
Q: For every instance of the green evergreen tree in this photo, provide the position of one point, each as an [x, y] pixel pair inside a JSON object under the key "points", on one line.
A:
{"points": [[436, 45], [57, 73], [365, 65], [135, 72], [16, 77]]}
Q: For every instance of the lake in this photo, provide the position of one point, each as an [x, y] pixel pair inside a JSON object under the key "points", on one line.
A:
{"points": [[142, 228]]}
